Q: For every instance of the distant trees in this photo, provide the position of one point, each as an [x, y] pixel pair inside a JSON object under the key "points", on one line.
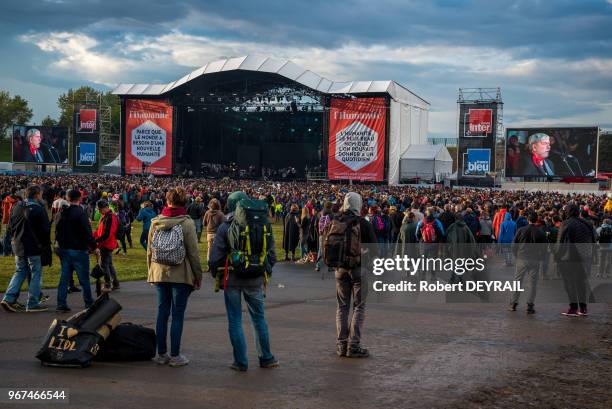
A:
{"points": [[13, 110]]}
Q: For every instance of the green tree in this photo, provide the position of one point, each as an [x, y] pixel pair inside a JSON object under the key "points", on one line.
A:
{"points": [[13, 111], [86, 94], [48, 121]]}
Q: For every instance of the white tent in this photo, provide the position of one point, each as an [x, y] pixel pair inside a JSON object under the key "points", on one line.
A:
{"points": [[426, 162]]}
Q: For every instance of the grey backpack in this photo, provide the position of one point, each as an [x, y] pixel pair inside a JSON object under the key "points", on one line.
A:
{"points": [[167, 246]]}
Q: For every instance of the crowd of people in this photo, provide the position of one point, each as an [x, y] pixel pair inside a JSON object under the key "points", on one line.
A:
{"points": [[392, 217]]}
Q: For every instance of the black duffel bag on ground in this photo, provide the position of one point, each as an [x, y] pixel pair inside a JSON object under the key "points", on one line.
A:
{"points": [[128, 342]]}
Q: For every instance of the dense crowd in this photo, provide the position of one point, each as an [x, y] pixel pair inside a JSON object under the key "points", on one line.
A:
{"points": [[392, 217]]}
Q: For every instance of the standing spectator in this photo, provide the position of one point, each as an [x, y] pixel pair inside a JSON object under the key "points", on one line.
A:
{"points": [[528, 246], [124, 221], [304, 233], [350, 284], [447, 217], [406, 241], [29, 229], [213, 218], [106, 242], [604, 237], [507, 230], [7, 205], [174, 283], [323, 221], [196, 212], [58, 204], [574, 253], [397, 219], [237, 287], [291, 232], [75, 239], [145, 215]]}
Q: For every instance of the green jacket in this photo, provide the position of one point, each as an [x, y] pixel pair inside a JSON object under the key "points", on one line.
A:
{"points": [[187, 272]]}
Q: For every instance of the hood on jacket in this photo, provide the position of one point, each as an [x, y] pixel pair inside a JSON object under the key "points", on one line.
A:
{"points": [[507, 217], [352, 203], [166, 223]]}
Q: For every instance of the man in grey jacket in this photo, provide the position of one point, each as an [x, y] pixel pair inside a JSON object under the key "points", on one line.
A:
{"points": [[235, 288]]}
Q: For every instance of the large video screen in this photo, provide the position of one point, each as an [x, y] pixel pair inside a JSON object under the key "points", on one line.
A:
{"points": [[551, 152], [40, 144]]}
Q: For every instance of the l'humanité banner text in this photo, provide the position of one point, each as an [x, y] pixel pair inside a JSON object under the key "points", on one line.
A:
{"points": [[148, 139], [357, 139]]}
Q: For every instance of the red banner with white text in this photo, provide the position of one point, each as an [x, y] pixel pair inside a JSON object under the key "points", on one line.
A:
{"points": [[357, 139], [148, 137]]}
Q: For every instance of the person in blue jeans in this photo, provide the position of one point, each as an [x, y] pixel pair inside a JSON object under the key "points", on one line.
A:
{"points": [[75, 239], [29, 229], [237, 288], [145, 215]]}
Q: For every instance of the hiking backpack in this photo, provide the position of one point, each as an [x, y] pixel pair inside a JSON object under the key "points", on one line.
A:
{"points": [[342, 243], [249, 237], [167, 246], [428, 232]]}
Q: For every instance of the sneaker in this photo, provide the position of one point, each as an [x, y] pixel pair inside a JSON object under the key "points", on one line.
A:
{"points": [[62, 309], [11, 307], [74, 289], [237, 367], [572, 312], [176, 361], [341, 350], [357, 352], [583, 312], [116, 285], [38, 308], [272, 364], [530, 309], [317, 268], [43, 298], [512, 307], [161, 359]]}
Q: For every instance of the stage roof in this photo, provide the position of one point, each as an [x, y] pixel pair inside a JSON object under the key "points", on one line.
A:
{"points": [[286, 69]]}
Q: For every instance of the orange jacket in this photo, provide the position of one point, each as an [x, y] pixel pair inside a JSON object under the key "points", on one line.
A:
{"points": [[7, 205], [498, 219]]}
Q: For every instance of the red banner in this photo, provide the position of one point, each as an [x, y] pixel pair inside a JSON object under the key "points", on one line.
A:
{"points": [[87, 120], [357, 139], [480, 122], [148, 137]]}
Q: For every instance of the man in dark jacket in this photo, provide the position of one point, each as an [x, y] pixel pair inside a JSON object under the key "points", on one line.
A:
{"points": [[574, 253], [237, 287], [196, 212], [29, 229], [75, 239], [350, 282], [528, 247], [447, 217]]}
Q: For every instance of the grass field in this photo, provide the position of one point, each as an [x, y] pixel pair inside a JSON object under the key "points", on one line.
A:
{"points": [[129, 268]]}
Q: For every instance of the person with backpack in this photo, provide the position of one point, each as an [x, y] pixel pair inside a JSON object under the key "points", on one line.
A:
{"points": [[507, 230], [29, 229], [174, 268], [604, 238], [145, 215], [74, 238], [344, 240], [528, 247], [243, 251], [430, 232], [106, 242], [323, 220]]}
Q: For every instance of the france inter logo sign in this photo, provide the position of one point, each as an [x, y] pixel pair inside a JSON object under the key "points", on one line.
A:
{"points": [[478, 162], [86, 154]]}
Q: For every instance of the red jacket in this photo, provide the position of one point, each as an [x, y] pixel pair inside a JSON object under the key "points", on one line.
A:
{"points": [[7, 205], [106, 235], [498, 219]]}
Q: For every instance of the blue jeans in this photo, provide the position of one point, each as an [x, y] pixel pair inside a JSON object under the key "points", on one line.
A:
{"points": [[144, 237], [171, 297], [74, 260], [25, 266], [255, 303]]}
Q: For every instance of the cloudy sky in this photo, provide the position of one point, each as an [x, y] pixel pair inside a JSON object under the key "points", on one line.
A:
{"points": [[552, 58]]}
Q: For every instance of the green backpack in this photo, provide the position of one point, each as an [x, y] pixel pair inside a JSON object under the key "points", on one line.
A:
{"points": [[248, 236]]}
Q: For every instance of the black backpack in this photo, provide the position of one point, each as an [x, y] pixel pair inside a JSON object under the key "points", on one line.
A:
{"points": [[249, 237], [128, 342], [605, 235]]}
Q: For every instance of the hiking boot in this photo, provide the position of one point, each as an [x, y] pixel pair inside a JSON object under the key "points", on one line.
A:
{"points": [[11, 307], [74, 289], [179, 360], [62, 309], [583, 312], [571, 312], [116, 285], [530, 309], [237, 367], [341, 350], [272, 364], [512, 307], [357, 352], [161, 359], [38, 308]]}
